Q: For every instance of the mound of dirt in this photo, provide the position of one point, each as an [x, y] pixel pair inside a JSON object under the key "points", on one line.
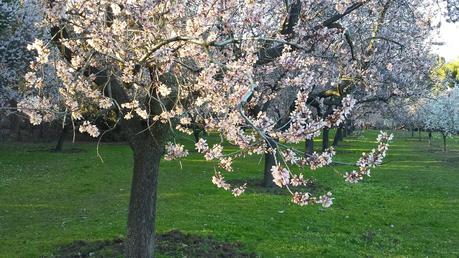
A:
{"points": [[173, 244]]}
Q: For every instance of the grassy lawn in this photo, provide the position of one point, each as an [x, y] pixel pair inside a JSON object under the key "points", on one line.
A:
{"points": [[409, 207]]}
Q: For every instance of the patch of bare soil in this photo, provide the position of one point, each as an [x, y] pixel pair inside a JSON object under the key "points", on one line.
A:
{"points": [[173, 243]]}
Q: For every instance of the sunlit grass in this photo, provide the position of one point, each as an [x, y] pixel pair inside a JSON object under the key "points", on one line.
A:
{"points": [[409, 207]]}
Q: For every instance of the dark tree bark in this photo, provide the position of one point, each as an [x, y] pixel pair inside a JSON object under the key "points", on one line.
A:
{"points": [[338, 136], [430, 138], [199, 132], [148, 148], [42, 132], [204, 133], [419, 134], [444, 142], [140, 238], [15, 129], [196, 132], [15, 124], [350, 128], [309, 146], [412, 132], [269, 163], [60, 141], [345, 131], [325, 139], [32, 134]]}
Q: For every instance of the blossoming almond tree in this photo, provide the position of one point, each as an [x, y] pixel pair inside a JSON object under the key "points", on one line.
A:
{"points": [[440, 113], [434, 106], [151, 66], [16, 31], [374, 60], [19, 26], [386, 55]]}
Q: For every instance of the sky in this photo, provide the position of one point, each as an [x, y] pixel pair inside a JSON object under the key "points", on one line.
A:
{"points": [[449, 35]]}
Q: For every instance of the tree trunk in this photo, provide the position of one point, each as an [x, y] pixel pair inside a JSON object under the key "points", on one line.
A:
{"points": [[419, 134], [60, 141], [196, 132], [430, 138], [142, 206], [14, 125], [309, 146], [325, 139], [412, 132], [444, 142], [270, 161], [344, 131], [204, 133], [338, 136], [15, 128], [42, 133], [350, 129]]}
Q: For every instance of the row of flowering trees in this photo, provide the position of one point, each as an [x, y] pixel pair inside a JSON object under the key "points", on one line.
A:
{"points": [[436, 107], [441, 114], [263, 74], [438, 110]]}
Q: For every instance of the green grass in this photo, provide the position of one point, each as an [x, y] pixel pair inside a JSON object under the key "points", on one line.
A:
{"points": [[409, 207]]}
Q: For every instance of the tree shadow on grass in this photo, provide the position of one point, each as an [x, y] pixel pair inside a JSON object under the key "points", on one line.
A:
{"points": [[439, 150], [64, 151], [173, 243]]}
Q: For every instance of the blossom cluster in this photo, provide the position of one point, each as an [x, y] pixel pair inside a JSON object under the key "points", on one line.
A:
{"points": [[89, 128], [42, 51], [220, 182], [370, 160], [303, 199], [316, 160], [281, 175], [175, 151]]}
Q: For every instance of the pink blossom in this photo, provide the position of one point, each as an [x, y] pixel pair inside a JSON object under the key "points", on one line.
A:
{"points": [[175, 151], [202, 146], [219, 181], [281, 175]]}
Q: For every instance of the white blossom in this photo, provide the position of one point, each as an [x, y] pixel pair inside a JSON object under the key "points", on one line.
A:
{"points": [[89, 128]]}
